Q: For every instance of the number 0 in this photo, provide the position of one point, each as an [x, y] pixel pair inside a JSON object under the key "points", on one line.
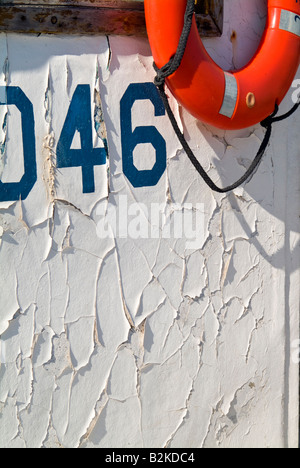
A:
{"points": [[13, 191]]}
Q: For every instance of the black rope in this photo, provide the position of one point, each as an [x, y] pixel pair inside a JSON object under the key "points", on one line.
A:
{"points": [[176, 60], [170, 68]]}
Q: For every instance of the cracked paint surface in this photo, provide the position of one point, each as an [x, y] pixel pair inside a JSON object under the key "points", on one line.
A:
{"points": [[123, 342]]}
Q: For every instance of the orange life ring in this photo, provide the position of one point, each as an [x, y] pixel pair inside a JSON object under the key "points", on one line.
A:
{"points": [[227, 100]]}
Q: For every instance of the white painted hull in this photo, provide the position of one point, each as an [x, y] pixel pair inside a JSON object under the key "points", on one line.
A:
{"points": [[118, 329]]}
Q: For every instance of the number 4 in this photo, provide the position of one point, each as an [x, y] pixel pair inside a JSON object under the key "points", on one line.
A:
{"points": [[79, 118]]}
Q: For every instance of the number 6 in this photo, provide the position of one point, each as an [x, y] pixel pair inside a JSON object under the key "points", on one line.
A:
{"points": [[130, 139]]}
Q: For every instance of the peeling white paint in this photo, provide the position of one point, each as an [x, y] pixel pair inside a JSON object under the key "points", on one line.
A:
{"points": [[123, 342]]}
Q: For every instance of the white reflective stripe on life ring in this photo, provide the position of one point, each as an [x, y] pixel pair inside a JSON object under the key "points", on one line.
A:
{"points": [[290, 22], [230, 97]]}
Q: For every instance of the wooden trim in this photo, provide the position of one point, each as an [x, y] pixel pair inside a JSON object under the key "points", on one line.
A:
{"points": [[94, 17]]}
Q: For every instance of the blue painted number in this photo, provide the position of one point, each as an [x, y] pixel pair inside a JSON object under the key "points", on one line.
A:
{"points": [[79, 118], [142, 135], [12, 191]]}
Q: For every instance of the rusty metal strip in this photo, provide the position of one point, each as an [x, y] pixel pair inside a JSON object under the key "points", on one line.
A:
{"points": [[93, 17]]}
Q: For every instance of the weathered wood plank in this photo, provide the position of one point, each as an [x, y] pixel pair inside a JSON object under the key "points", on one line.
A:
{"points": [[134, 4], [88, 17], [64, 20], [212, 9]]}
